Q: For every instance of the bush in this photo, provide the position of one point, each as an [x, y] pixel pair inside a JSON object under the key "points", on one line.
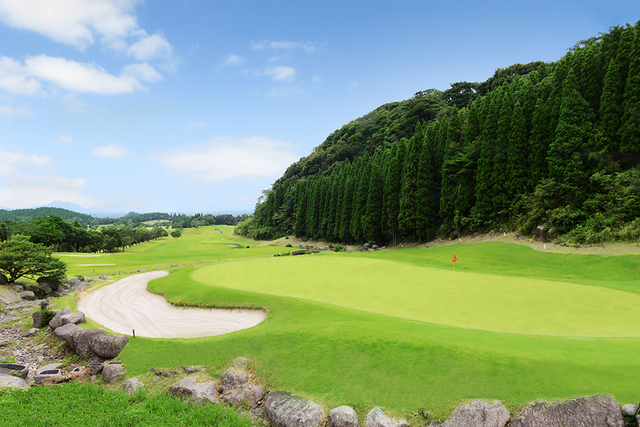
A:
{"points": [[46, 316], [288, 245]]}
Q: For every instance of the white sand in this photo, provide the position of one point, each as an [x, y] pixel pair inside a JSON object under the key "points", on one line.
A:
{"points": [[126, 305]]}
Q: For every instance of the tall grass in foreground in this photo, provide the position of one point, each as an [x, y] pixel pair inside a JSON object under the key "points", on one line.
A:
{"points": [[91, 405]]}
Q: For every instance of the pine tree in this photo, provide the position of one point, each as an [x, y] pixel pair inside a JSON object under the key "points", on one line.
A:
{"points": [[450, 170], [393, 185], [408, 206], [611, 109], [373, 219], [518, 154], [301, 209], [630, 127]]}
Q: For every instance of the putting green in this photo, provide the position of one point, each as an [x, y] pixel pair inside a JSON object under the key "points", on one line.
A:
{"points": [[491, 302]]}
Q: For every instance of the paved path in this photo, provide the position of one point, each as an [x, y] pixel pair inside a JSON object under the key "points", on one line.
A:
{"points": [[126, 305]]}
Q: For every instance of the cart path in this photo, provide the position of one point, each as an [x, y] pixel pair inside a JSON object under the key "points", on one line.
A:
{"points": [[127, 305]]}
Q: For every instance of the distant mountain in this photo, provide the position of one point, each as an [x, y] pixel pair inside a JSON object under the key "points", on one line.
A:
{"points": [[110, 210]]}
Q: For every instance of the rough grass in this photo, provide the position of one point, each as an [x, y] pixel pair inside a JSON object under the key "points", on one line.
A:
{"points": [[91, 405]]}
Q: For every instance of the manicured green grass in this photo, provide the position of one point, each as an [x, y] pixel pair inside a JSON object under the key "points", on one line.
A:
{"points": [[482, 301], [91, 405], [387, 351]]}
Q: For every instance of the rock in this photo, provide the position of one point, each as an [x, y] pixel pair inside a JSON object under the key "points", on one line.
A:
{"points": [[43, 375], [36, 316], [67, 333], [478, 413], [9, 296], [240, 363], [599, 410], [80, 277], [52, 283], [342, 416], [78, 374], [165, 373], [95, 368], [629, 410], [56, 322], [113, 372], [108, 346], [377, 418], [247, 393], [3, 280], [193, 369], [233, 377], [95, 360], [45, 288], [13, 382], [132, 385], [17, 288], [81, 341], [30, 332], [15, 369], [27, 295], [188, 389], [73, 282], [286, 410], [75, 318]]}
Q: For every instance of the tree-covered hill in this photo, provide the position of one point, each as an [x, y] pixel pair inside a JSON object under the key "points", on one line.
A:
{"points": [[555, 144], [24, 215]]}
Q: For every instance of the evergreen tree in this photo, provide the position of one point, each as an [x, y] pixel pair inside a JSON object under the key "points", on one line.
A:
{"points": [[630, 127], [518, 154], [408, 206], [373, 220], [611, 105], [301, 209], [393, 185]]}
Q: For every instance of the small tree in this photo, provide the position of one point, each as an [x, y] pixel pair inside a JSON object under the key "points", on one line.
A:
{"points": [[176, 233], [21, 258]]}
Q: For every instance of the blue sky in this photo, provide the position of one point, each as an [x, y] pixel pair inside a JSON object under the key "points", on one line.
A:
{"points": [[198, 106]]}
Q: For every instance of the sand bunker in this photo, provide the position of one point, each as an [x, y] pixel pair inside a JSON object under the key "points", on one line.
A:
{"points": [[126, 305]]}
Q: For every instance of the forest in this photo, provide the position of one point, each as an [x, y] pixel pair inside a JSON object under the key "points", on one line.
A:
{"points": [[551, 144]]}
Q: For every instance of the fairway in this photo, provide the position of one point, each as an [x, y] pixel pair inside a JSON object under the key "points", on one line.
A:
{"points": [[481, 301]]}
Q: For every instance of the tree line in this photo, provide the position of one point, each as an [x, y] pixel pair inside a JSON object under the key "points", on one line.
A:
{"points": [[544, 143]]}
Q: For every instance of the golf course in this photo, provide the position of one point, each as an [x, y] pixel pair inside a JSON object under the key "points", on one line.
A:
{"points": [[398, 328]]}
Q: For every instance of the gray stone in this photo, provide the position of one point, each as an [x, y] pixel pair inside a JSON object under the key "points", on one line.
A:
{"points": [[45, 288], [75, 318], [9, 296], [15, 369], [42, 375], [240, 363], [73, 282], [113, 372], [67, 333], [108, 346], [629, 410], [164, 373], [377, 418], [132, 385], [56, 322], [233, 377], [13, 382], [188, 389], [80, 277], [30, 332], [17, 288], [286, 410], [478, 413], [27, 295], [95, 368], [49, 367], [79, 287], [52, 283], [246, 393], [599, 410], [36, 316], [193, 369], [81, 341], [342, 416]]}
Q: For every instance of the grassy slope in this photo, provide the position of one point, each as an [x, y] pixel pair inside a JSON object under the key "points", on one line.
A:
{"points": [[339, 355]]}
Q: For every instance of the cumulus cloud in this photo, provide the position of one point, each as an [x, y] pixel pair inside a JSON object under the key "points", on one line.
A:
{"points": [[233, 59], [224, 159], [150, 47], [74, 22], [15, 78], [111, 151], [7, 110], [142, 71], [279, 73], [12, 161]]}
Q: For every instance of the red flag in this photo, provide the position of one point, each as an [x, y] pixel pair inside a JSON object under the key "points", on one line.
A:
{"points": [[454, 258]]}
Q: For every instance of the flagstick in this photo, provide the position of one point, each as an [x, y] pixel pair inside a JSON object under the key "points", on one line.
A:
{"points": [[454, 277]]}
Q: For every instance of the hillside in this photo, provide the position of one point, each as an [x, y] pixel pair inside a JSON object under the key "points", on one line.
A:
{"points": [[543, 143]]}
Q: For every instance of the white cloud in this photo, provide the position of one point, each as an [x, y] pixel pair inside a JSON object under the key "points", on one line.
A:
{"points": [[150, 47], [7, 110], [282, 45], [79, 77], [233, 59], [15, 78], [29, 191], [12, 161], [111, 151], [65, 139], [142, 71], [224, 159], [279, 73], [74, 22]]}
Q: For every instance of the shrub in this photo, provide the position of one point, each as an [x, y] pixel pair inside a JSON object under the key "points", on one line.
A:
{"points": [[46, 316]]}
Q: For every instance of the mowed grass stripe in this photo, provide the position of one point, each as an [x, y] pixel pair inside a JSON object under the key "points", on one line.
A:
{"points": [[491, 302]]}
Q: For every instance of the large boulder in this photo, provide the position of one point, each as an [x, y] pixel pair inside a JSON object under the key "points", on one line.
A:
{"points": [[37, 322], [13, 382], [81, 341], [56, 322], [234, 377], [132, 385], [287, 410], [67, 333], [27, 295], [248, 393], [188, 389], [108, 346], [113, 372], [478, 413], [377, 418], [51, 282], [75, 318], [9, 296], [17, 288], [599, 410], [342, 416]]}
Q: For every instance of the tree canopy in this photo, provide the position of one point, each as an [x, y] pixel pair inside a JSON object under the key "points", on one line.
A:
{"points": [[21, 258]]}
